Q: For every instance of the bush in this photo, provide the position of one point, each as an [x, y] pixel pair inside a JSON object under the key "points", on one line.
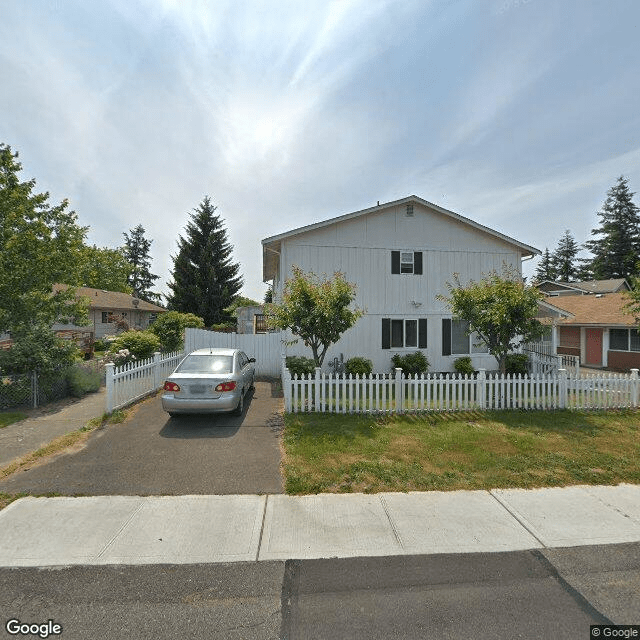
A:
{"points": [[36, 348], [83, 380], [140, 344], [464, 366], [358, 366], [517, 363], [170, 326], [299, 365], [412, 364]]}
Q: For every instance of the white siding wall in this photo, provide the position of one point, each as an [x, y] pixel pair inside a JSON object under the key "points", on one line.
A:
{"points": [[361, 249]]}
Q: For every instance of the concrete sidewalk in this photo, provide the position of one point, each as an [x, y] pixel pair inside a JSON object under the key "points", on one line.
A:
{"points": [[131, 530], [31, 434]]}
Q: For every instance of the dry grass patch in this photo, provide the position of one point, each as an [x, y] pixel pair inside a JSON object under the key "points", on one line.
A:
{"points": [[472, 450]]}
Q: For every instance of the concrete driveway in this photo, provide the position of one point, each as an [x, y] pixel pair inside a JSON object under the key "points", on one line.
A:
{"points": [[153, 454]]}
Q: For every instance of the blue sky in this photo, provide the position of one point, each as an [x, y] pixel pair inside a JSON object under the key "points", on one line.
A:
{"points": [[519, 114]]}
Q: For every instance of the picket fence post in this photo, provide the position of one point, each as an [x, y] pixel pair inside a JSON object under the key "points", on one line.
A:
{"points": [[316, 390], [562, 388], [399, 394], [634, 387], [157, 380], [480, 388], [108, 367]]}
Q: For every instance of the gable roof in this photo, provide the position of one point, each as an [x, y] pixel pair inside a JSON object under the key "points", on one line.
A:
{"points": [[606, 309], [101, 299], [612, 285], [271, 245]]}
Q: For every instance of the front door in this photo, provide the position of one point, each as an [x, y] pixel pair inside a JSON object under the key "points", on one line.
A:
{"points": [[594, 347]]}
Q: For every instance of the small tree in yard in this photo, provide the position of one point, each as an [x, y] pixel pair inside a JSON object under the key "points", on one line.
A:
{"points": [[170, 326], [500, 308], [316, 310]]}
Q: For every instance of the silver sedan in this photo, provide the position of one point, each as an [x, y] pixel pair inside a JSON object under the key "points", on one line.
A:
{"points": [[209, 381]]}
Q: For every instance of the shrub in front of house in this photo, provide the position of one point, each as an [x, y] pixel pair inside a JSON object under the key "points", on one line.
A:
{"points": [[412, 364], [141, 344], [517, 364], [358, 366], [464, 366], [300, 366], [83, 380]]}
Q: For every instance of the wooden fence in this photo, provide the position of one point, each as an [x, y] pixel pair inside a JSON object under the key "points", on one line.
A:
{"points": [[395, 393], [134, 380]]}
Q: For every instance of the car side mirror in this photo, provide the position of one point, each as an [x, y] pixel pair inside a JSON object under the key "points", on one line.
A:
{"points": [[252, 359]]}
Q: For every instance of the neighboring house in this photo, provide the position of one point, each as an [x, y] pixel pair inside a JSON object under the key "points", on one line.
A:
{"points": [[550, 288], [400, 255], [596, 328], [251, 319], [104, 306]]}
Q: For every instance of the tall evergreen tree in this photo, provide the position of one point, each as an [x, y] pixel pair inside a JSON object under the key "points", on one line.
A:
{"points": [[616, 247], [136, 251], [564, 258], [545, 269], [205, 279]]}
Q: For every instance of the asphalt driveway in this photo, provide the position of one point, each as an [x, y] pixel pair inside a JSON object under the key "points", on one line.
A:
{"points": [[153, 454]]}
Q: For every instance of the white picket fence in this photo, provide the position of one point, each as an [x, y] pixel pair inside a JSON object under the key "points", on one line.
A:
{"points": [[545, 364], [134, 380], [395, 393]]}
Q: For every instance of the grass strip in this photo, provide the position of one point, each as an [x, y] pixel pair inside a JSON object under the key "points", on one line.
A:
{"points": [[10, 417], [459, 450]]}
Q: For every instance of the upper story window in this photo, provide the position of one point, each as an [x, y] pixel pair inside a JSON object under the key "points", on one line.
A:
{"points": [[406, 262]]}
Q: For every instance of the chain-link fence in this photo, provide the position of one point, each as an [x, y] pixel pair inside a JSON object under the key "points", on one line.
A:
{"points": [[35, 389]]}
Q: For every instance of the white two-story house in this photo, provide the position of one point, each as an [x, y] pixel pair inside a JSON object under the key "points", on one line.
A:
{"points": [[400, 255]]}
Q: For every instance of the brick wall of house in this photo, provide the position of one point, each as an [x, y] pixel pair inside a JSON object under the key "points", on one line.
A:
{"points": [[623, 360]]}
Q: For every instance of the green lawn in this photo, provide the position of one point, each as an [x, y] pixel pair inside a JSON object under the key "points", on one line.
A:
{"points": [[10, 417], [465, 450]]}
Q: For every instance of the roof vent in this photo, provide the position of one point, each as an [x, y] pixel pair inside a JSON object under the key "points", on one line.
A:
{"points": [[410, 211]]}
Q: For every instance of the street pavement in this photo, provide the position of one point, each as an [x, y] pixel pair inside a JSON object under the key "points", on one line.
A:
{"points": [[530, 595]]}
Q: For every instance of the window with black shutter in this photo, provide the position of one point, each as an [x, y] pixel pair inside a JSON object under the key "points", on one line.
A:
{"points": [[406, 262], [404, 333]]}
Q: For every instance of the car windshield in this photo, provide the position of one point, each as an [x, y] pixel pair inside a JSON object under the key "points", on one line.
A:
{"points": [[206, 364]]}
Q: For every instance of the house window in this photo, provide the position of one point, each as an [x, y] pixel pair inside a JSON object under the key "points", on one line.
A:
{"points": [[456, 339], [406, 262], [404, 333], [106, 317], [624, 340], [409, 211]]}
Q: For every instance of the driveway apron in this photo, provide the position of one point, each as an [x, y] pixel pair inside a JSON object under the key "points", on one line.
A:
{"points": [[153, 454]]}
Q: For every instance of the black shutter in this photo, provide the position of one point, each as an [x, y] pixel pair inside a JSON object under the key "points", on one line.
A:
{"points": [[422, 333], [395, 262], [386, 333], [417, 263], [446, 336]]}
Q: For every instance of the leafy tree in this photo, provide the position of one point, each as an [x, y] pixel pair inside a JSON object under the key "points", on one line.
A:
{"points": [[40, 245], [205, 279], [170, 326], [268, 295], [241, 301], [616, 246], [564, 258], [136, 251], [316, 310], [545, 269], [500, 308], [106, 269], [36, 348]]}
